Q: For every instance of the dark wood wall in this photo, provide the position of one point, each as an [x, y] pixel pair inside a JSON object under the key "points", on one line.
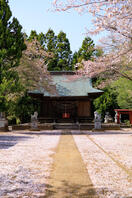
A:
{"points": [[77, 108], [84, 108]]}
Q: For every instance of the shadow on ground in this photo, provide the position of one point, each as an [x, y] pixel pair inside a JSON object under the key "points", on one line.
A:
{"points": [[69, 132], [7, 141], [70, 190], [76, 191]]}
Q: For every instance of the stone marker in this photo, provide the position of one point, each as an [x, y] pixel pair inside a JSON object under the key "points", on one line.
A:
{"points": [[34, 121], [97, 120]]}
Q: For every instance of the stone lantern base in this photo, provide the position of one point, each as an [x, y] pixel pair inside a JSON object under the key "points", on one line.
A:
{"points": [[3, 125]]}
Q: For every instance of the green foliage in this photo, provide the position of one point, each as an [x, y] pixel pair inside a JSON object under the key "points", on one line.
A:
{"points": [[50, 46], [50, 41], [60, 47], [106, 102], [97, 80], [75, 58], [88, 51], [123, 88], [20, 110], [41, 38], [63, 52], [33, 35], [25, 107], [11, 47], [127, 122], [118, 95], [3, 104]]}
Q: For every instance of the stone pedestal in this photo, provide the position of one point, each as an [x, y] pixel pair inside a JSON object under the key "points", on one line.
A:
{"points": [[34, 125], [3, 122], [97, 125], [3, 125]]}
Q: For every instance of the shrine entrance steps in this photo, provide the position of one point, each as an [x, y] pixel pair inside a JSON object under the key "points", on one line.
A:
{"points": [[73, 126], [65, 120]]}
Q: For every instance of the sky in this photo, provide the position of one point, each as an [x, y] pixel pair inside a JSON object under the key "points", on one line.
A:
{"points": [[37, 15]]}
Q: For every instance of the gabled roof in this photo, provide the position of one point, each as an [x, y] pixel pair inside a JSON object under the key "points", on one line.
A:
{"points": [[68, 84]]}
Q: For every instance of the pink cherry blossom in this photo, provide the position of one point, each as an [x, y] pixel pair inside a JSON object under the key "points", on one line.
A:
{"points": [[115, 17]]}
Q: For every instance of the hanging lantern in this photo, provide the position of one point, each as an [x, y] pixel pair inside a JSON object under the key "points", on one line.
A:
{"points": [[66, 115]]}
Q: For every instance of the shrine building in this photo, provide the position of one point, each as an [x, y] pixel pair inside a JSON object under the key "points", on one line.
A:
{"points": [[71, 102]]}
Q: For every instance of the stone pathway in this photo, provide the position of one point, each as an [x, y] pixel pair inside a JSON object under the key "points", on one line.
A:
{"points": [[69, 176]]}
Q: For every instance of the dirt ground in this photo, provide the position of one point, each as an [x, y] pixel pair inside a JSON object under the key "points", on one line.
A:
{"points": [[69, 176]]}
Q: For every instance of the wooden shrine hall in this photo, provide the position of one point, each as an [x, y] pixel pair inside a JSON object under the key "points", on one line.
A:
{"points": [[72, 101]]}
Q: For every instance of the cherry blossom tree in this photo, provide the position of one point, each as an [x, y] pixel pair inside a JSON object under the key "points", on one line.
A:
{"points": [[114, 16], [33, 68]]}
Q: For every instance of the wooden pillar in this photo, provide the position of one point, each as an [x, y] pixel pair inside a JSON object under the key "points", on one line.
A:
{"points": [[130, 117], [118, 117]]}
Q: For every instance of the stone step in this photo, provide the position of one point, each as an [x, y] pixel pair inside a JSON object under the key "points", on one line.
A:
{"points": [[71, 126], [65, 126]]}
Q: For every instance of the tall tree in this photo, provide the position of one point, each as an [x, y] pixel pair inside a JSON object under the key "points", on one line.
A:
{"points": [[86, 52], [63, 52], [50, 40], [11, 47], [115, 17], [41, 38], [50, 46], [33, 35], [60, 47]]}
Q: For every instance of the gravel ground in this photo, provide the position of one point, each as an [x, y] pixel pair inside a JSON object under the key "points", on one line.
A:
{"points": [[25, 162], [26, 159], [108, 161]]}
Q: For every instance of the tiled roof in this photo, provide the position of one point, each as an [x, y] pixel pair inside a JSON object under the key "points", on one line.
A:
{"points": [[80, 86]]}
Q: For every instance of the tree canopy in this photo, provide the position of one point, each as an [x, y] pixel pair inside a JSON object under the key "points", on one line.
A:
{"points": [[123, 88], [87, 51], [115, 17], [11, 47], [59, 46]]}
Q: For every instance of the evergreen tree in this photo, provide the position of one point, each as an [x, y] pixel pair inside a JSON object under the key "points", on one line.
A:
{"points": [[41, 38], [50, 40], [63, 52], [11, 47], [60, 47], [33, 35], [86, 52], [75, 60], [50, 46]]}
